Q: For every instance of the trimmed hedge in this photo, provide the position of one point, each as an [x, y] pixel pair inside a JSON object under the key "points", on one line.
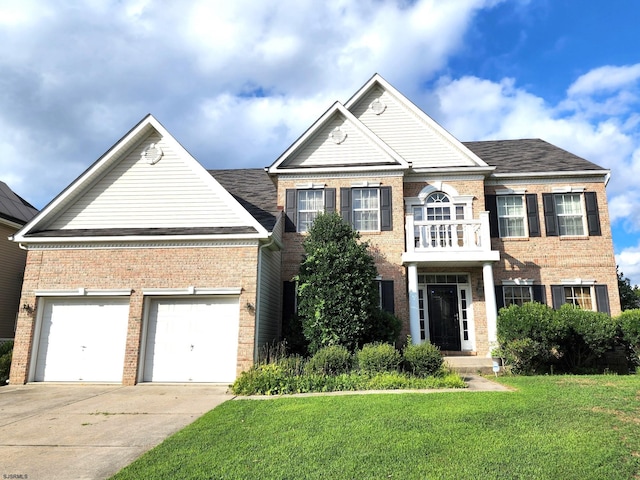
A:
{"points": [[378, 358], [423, 359]]}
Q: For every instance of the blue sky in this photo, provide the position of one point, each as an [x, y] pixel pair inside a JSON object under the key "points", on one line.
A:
{"points": [[237, 82]]}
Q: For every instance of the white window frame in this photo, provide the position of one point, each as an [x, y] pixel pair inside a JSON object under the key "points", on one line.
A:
{"points": [[582, 214], [574, 300], [303, 227], [523, 216], [354, 221], [513, 297]]}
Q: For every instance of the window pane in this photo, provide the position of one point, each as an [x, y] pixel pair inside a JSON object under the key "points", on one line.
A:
{"points": [[310, 202], [579, 296], [366, 208], [516, 295], [511, 216], [569, 212]]}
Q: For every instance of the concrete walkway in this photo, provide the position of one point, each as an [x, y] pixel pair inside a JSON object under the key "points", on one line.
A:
{"points": [[91, 431]]}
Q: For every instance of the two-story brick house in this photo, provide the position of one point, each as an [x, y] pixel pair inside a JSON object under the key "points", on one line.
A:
{"points": [[173, 273]]}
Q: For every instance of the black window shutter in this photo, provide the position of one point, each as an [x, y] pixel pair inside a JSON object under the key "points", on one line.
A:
{"points": [[388, 304], [290, 210], [532, 214], [602, 299], [499, 297], [329, 200], [550, 219], [491, 204], [386, 223], [557, 294], [593, 217], [345, 204], [539, 294]]}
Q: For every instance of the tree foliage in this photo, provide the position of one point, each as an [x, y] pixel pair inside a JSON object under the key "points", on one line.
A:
{"points": [[629, 296], [338, 298]]}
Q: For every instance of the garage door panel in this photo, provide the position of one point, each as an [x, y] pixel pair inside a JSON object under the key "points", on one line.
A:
{"points": [[192, 340], [82, 340]]}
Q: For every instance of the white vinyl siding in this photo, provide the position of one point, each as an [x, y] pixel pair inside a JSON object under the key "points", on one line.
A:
{"points": [[82, 340], [407, 134], [136, 194], [511, 215], [320, 150], [192, 340]]}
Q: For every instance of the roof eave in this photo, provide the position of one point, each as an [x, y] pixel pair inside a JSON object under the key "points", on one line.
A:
{"points": [[569, 173], [138, 238]]}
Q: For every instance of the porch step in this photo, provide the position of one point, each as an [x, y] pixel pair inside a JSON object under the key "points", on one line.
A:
{"points": [[469, 364]]}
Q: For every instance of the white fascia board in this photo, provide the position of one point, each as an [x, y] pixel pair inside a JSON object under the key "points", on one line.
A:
{"points": [[488, 170], [361, 168], [136, 238], [416, 111], [318, 124], [572, 173]]}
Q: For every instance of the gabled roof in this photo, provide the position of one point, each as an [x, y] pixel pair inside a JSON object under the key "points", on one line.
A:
{"points": [[408, 130], [147, 186], [529, 156], [380, 155], [13, 208]]}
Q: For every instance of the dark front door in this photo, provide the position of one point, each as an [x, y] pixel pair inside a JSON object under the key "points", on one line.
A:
{"points": [[444, 326]]}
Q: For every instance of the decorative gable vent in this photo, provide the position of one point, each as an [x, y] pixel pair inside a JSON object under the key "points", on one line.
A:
{"points": [[377, 106], [338, 135], [152, 154]]}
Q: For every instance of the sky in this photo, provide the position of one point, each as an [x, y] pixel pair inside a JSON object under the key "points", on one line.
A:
{"points": [[236, 82]]}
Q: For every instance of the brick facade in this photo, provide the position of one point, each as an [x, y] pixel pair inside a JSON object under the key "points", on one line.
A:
{"points": [[138, 269]]}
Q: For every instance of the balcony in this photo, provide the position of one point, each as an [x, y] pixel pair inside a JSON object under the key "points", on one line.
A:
{"points": [[449, 242]]}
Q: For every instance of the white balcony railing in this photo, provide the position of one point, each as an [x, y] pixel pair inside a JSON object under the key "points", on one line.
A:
{"points": [[424, 236]]}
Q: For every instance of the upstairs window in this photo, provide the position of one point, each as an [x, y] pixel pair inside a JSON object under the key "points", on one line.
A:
{"points": [[302, 206], [511, 216], [367, 209], [571, 214]]}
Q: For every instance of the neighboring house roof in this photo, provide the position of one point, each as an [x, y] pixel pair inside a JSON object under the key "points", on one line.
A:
{"points": [[529, 156], [13, 207], [254, 190]]}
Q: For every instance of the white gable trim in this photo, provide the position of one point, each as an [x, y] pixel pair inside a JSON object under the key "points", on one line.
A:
{"points": [[112, 157], [276, 167], [378, 80]]}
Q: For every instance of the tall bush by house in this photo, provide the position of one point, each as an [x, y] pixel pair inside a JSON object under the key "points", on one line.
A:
{"points": [[630, 325], [338, 299]]}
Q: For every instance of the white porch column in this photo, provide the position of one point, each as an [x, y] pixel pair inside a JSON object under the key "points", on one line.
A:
{"points": [[414, 305], [490, 304]]}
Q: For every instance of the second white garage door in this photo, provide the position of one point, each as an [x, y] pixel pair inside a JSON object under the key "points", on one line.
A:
{"points": [[192, 340]]}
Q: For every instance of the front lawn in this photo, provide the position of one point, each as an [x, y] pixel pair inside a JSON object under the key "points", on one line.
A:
{"points": [[548, 428]]}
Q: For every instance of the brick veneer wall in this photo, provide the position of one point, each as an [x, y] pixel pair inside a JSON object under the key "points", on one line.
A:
{"points": [[549, 260], [138, 269]]}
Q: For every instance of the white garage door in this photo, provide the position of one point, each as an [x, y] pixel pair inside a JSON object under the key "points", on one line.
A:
{"points": [[192, 340], [82, 340]]}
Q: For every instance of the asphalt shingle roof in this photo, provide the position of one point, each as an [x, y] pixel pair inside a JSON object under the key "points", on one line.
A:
{"points": [[255, 191], [13, 207], [528, 156]]}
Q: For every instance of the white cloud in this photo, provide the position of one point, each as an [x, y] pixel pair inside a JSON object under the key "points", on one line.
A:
{"points": [[604, 79], [628, 261]]}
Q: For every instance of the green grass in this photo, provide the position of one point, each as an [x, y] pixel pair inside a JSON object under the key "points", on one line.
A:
{"points": [[547, 428]]}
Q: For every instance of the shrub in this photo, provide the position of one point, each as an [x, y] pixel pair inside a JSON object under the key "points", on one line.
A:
{"points": [[332, 360], [587, 336], [525, 356], [378, 358], [423, 359], [384, 327], [6, 351], [630, 326]]}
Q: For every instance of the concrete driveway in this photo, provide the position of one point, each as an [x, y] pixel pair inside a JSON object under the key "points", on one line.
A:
{"points": [[66, 432]]}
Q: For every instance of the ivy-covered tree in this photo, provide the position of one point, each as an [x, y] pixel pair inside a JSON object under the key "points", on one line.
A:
{"points": [[338, 299], [629, 296]]}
